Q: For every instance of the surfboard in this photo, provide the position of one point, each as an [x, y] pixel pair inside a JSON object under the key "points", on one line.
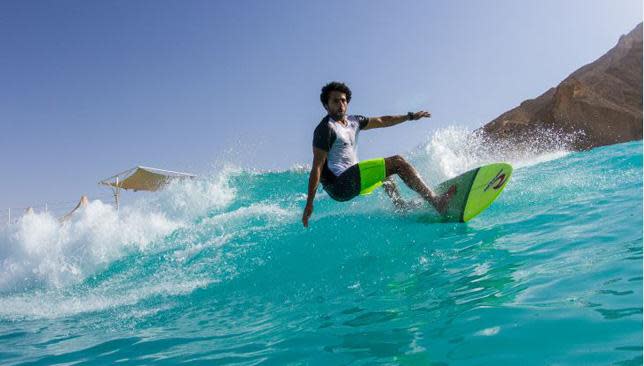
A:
{"points": [[475, 191]]}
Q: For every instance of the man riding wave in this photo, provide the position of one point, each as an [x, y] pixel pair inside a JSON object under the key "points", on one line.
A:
{"points": [[335, 160]]}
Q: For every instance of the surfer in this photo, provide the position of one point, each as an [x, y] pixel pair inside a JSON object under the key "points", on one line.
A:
{"points": [[335, 161]]}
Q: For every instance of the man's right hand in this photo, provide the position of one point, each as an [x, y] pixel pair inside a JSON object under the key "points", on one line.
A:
{"points": [[415, 116], [308, 210]]}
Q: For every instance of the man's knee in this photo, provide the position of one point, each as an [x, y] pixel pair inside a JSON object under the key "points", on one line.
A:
{"points": [[395, 164]]}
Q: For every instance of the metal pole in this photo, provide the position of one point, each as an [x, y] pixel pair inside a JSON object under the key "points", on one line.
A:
{"points": [[116, 194]]}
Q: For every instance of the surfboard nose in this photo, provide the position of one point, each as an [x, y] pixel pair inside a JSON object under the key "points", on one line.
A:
{"points": [[475, 190], [488, 184]]}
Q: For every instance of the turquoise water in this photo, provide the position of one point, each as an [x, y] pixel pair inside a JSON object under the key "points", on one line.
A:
{"points": [[219, 271]]}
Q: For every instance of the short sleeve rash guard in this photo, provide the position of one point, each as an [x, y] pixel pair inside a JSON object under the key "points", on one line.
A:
{"points": [[340, 142]]}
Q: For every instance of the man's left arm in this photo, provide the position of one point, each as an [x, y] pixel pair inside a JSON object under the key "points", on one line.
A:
{"points": [[388, 121]]}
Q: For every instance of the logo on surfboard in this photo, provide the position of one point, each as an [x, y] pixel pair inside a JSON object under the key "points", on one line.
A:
{"points": [[497, 181]]}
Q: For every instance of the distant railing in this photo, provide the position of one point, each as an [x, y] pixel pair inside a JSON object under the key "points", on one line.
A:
{"points": [[11, 215]]}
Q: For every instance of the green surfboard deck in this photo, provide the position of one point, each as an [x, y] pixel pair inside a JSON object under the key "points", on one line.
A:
{"points": [[475, 190]]}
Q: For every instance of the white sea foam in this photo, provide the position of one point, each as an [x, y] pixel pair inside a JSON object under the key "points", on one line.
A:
{"points": [[39, 251], [174, 277], [451, 151], [488, 331], [300, 168], [55, 303]]}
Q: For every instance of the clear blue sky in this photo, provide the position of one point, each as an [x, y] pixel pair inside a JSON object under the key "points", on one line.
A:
{"points": [[93, 88]]}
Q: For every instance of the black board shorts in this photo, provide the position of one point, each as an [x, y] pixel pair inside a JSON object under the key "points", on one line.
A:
{"points": [[361, 178], [346, 186]]}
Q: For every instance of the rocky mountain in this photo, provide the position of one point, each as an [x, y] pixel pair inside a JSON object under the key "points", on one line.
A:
{"points": [[600, 103]]}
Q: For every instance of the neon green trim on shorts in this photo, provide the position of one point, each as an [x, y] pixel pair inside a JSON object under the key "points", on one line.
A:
{"points": [[372, 173]]}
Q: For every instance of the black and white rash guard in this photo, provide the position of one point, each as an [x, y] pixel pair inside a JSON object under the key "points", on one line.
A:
{"points": [[341, 143]]}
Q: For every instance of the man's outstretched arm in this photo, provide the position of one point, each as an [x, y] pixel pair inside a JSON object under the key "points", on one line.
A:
{"points": [[388, 121], [319, 157]]}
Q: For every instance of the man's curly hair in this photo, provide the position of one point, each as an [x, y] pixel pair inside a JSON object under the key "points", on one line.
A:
{"points": [[334, 86]]}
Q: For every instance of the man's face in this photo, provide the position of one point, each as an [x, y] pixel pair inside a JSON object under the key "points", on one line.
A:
{"points": [[337, 104]]}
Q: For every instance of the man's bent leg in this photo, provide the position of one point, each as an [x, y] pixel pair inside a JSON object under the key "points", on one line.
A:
{"points": [[398, 165]]}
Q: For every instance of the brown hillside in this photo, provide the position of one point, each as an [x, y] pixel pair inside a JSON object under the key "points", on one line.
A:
{"points": [[602, 100]]}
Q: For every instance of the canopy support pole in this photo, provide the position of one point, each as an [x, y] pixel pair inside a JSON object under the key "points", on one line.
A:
{"points": [[116, 194]]}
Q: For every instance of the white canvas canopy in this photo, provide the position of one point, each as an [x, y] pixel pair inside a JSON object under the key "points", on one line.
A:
{"points": [[142, 178]]}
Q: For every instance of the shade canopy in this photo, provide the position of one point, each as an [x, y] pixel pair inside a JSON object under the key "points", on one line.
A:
{"points": [[143, 178]]}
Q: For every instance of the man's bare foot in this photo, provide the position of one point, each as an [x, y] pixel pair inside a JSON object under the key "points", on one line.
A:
{"points": [[441, 205]]}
